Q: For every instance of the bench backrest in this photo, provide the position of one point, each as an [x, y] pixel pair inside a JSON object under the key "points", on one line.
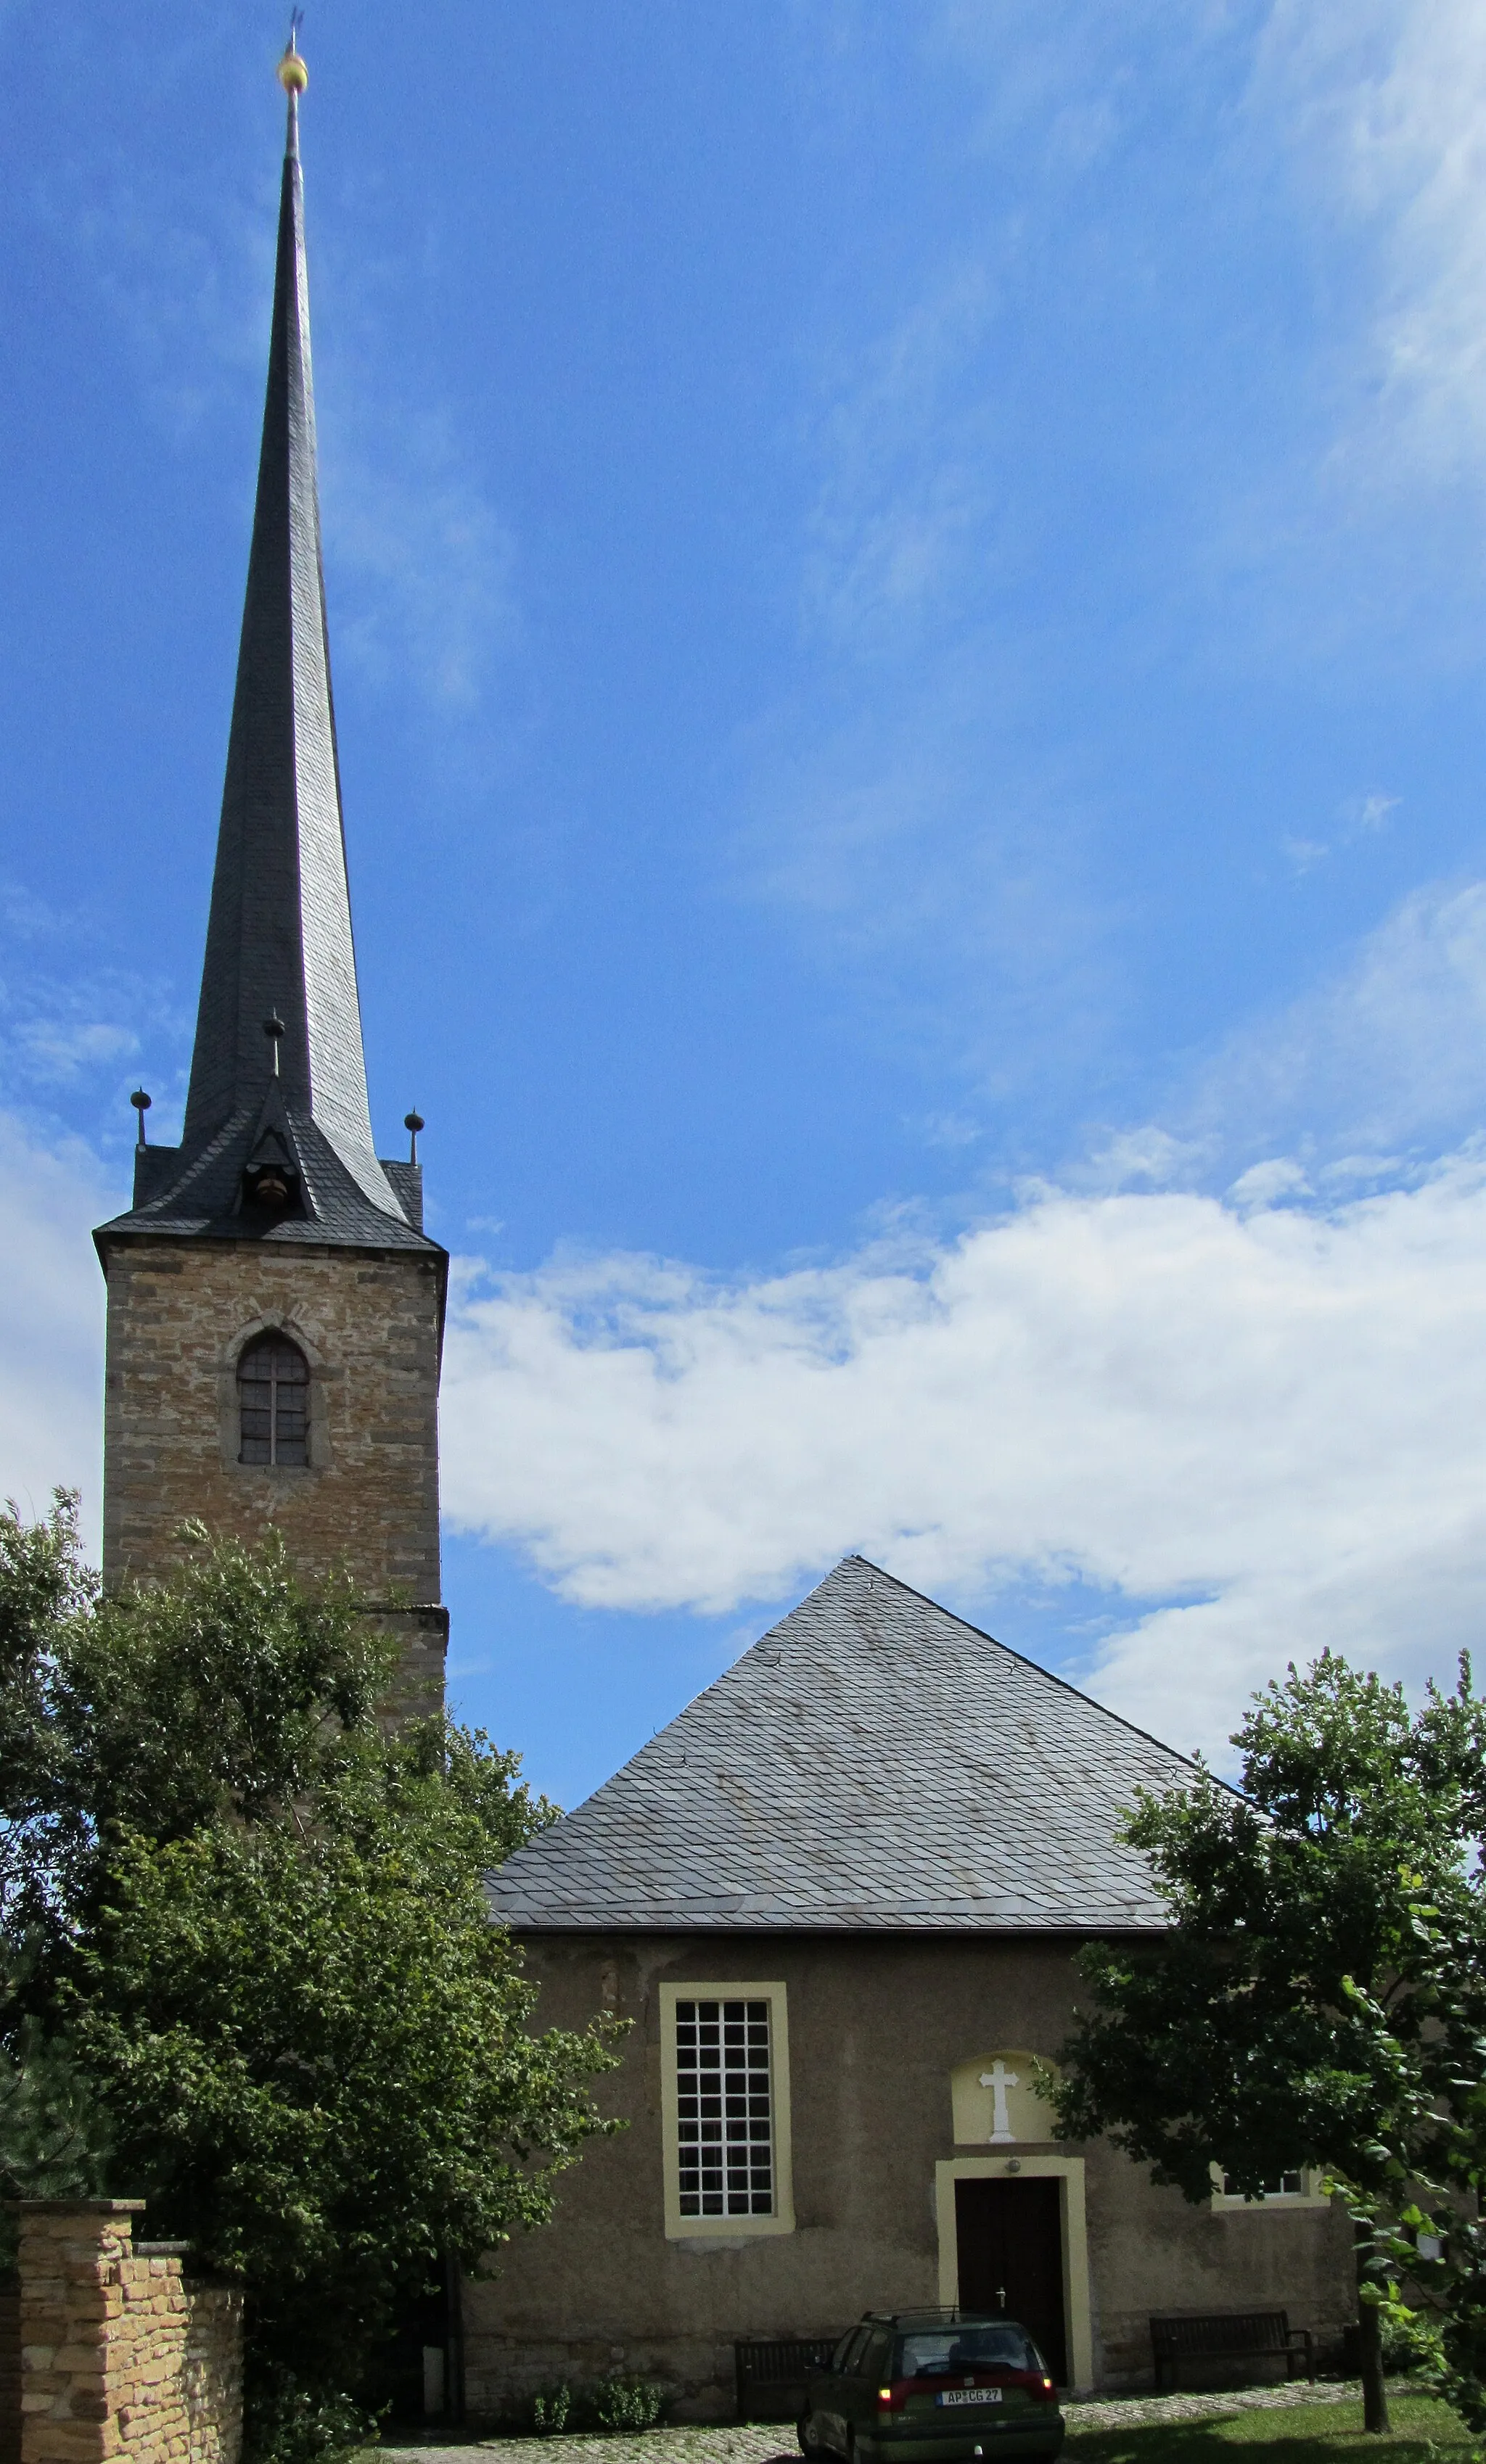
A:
{"points": [[1236, 2331], [782, 2361]]}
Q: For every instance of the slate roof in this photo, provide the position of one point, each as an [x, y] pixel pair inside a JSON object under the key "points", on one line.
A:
{"points": [[873, 1764], [278, 937], [201, 1197]]}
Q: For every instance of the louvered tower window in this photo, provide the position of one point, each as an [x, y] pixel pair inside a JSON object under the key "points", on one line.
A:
{"points": [[274, 1402]]}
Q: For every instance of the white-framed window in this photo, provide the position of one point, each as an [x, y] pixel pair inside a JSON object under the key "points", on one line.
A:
{"points": [[1297, 2189], [724, 2104], [726, 2109]]}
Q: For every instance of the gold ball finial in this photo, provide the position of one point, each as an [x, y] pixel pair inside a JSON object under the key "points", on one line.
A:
{"points": [[292, 75]]}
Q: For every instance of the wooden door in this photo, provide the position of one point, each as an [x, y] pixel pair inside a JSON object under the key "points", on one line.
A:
{"points": [[1010, 2236]]}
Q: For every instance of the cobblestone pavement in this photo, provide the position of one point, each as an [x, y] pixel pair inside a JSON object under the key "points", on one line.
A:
{"points": [[755, 2443], [762, 2442], [1143, 2411]]}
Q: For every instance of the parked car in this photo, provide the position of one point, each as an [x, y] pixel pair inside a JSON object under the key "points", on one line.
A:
{"points": [[931, 2387]]}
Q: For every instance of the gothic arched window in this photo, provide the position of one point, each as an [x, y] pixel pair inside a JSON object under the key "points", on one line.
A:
{"points": [[273, 1401]]}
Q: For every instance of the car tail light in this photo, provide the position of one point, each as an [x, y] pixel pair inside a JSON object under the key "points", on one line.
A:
{"points": [[1038, 2385], [894, 2398]]}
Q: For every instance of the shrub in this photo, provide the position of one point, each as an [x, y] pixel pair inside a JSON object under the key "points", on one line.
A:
{"points": [[550, 2411], [301, 2039], [1407, 2339], [632, 2403]]}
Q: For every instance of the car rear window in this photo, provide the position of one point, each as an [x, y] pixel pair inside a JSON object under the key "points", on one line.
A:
{"points": [[932, 2355]]}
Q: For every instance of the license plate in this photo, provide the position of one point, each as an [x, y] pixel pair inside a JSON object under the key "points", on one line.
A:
{"points": [[968, 2395]]}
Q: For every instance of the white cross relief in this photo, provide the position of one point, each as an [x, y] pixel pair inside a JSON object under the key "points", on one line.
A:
{"points": [[998, 2080]]}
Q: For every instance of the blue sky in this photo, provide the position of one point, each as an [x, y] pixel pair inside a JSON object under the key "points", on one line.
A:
{"points": [[909, 610]]}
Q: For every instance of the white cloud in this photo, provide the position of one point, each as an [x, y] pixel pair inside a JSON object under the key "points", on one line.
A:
{"points": [[51, 1321], [1258, 1434], [906, 489], [1281, 1177], [1370, 813], [1391, 1052], [1359, 816], [950, 1130], [1304, 855], [419, 559], [57, 1048], [1385, 100], [421, 564], [73, 1030], [1147, 1154]]}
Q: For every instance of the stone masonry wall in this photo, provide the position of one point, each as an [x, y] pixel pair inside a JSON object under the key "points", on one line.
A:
{"points": [[368, 1322], [120, 2356], [10, 2371], [878, 2026]]}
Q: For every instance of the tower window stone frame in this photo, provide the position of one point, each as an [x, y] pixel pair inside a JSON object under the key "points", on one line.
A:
{"points": [[274, 1403], [261, 1333]]}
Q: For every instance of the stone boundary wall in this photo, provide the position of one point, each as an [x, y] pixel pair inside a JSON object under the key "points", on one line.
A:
{"points": [[9, 2371], [121, 2355]]}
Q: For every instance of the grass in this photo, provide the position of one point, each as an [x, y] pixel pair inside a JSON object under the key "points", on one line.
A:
{"points": [[1309, 2434]]}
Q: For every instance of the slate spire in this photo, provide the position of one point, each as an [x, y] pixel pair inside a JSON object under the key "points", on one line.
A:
{"points": [[279, 936], [276, 1108]]}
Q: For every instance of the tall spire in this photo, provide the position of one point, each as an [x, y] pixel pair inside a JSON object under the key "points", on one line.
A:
{"points": [[280, 936], [277, 1134], [276, 1143]]}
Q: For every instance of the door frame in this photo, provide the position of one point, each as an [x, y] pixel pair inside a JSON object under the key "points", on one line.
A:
{"points": [[1068, 2172]]}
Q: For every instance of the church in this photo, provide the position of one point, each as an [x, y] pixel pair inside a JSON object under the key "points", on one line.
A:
{"points": [[838, 1898]]}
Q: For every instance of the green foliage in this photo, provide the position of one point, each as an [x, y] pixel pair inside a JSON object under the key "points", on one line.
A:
{"points": [[550, 2407], [618, 2403], [249, 1970], [1287, 2018], [54, 2138], [224, 1696], [1459, 2372], [632, 2403], [298, 2423], [1408, 2341], [1321, 1996], [44, 1591]]}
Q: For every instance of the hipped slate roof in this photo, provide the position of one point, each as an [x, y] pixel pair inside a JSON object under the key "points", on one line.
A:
{"points": [[279, 938], [873, 1764]]}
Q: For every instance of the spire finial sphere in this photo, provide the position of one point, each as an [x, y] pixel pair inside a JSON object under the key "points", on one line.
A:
{"points": [[292, 75]]}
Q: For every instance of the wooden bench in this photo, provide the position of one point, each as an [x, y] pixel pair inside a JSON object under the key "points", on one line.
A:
{"points": [[771, 2374], [1230, 2336]]}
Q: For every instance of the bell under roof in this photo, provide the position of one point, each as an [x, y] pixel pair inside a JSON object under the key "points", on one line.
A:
{"points": [[279, 946], [873, 1764]]}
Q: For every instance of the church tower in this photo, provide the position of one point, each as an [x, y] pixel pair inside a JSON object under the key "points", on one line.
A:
{"points": [[275, 1307]]}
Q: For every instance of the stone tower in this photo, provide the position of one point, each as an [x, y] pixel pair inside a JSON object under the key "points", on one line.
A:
{"points": [[275, 1307]]}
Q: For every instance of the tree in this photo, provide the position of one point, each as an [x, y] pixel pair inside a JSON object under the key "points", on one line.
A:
{"points": [[1314, 1998], [249, 1968]]}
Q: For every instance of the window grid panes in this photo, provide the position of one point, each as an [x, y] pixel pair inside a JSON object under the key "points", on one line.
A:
{"points": [[725, 2108], [1285, 2185], [274, 1400]]}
